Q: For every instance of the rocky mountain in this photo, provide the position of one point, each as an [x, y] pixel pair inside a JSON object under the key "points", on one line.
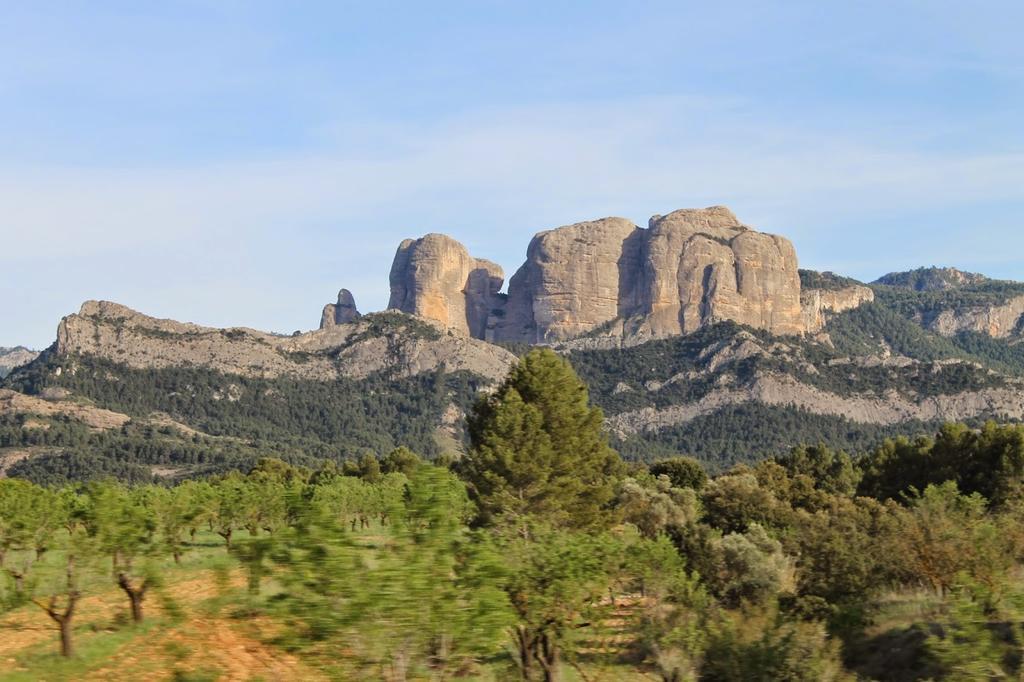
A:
{"points": [[949, 302], [435, 278], [610, 278], [696, 335], [15, 357], [385, 343]]}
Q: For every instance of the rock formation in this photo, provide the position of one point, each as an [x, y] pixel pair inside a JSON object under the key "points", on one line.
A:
{"points": [[704, 266], [997, 321], [394, 344], [989, 307], [435, 278], [688, 269], [342, 312], [575, 278], [819, 304]]}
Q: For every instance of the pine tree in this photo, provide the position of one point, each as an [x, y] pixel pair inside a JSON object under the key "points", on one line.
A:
{"points": [[538, 449]]}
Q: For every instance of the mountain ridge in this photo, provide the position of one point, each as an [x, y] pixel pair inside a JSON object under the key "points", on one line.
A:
{"points": [[894, 357]]}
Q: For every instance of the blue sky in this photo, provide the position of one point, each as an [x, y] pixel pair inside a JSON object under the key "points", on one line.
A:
{"points": [[236, 163]]}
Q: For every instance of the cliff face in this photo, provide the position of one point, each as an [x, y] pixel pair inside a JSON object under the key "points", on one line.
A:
{"points": [[688, 269], [998, 321], [949, 301], [819, 304], [435, 278], [575, 278]]}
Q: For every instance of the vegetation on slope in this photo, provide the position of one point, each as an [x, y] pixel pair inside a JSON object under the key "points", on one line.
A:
{"points": [[337, 419]]}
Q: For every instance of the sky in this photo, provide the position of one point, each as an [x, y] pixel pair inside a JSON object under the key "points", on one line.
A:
{"points": [[235, 163]]}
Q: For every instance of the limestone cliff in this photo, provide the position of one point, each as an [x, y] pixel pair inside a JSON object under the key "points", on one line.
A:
{"points": [[435, 278], [819, 304], [998, 321], [575, 278], [949, 301], [688, 269]]}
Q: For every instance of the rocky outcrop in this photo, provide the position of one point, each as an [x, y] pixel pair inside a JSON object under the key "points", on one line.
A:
{"points": [[688, 269], [342, 312], [787, 391], [391, 343], [575, 278], [435, 278], [11, 358], [998, 321], [12, 403], [931, 279], [818, 305]]}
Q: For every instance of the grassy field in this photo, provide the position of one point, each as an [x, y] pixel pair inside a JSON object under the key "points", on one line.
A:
{"points": [[202, 625]]}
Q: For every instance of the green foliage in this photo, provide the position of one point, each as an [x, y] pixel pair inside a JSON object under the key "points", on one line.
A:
{"points": [[944, 535], [734, 501], [538, 449], [969, 646], [683, 472], [828, 281], [655, 507], [988, 461], [672, 623], [746, 433], [832, 472], [557, 580], [400, 460], [844, 560], [752, 567], [297, 420], [772, 651], [430, 598]]}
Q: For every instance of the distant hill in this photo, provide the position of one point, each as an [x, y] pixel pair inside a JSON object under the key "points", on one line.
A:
{"points": [[15, 357], [931, 279]]}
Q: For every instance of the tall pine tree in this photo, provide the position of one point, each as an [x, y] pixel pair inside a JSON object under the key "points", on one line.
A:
{"points": [[538, 449]]}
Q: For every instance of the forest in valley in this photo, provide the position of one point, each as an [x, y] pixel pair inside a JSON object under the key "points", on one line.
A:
{"points": [[539, 555]]}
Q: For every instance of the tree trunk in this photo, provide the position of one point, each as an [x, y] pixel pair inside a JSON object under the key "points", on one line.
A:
{"points": [[226, 534], [67, 647], [547, 655], [136, 600], [255, 576], [63, 618], [135, 595], [525, 644]]}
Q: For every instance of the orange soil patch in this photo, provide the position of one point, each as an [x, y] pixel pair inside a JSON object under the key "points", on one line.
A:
{"points": [[29, 626], [206, 645]]}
